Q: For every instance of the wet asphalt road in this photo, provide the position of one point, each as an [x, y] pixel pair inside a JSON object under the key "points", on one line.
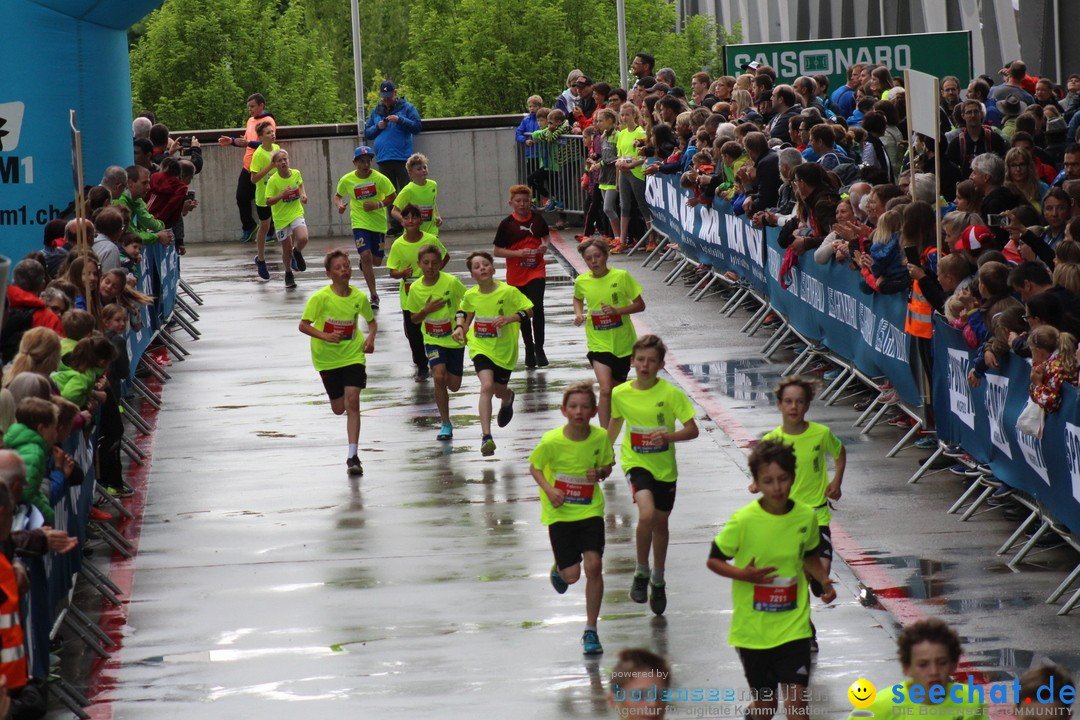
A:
{"points": [[271, 585]]}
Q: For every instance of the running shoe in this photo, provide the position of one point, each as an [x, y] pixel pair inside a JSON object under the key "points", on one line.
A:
{"points": [[298, 261], [541, 357], [248, 235], [422, 374], [954, 451], [889, 397], [831, 375], [617, 248], [123, 490], [651, 246], [530, 358], [959, 469], [926, 443], [290, 281], [354, 466], [446, 432], [639, 590], [658, 598], [487, 447], [99, 515], [506, 412], [260, 266], [557, 582], [590, 643]]}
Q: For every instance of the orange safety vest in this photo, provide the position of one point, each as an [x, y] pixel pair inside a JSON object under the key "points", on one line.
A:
{"points": [[919, 319], [12, 641]]}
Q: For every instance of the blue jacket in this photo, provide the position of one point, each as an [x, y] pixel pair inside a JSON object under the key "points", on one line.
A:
{"points": [[395, 141], [529, 124]]}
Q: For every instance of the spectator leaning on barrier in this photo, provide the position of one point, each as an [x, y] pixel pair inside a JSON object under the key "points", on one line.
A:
{"points": [[143, 224], [762, 174], [24, 308]]}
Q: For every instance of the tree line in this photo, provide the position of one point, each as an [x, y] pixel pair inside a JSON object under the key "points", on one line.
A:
{"points": [[195, 61]]}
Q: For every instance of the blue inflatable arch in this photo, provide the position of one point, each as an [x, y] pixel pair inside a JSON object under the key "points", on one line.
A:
{"points": [[60, 55]]}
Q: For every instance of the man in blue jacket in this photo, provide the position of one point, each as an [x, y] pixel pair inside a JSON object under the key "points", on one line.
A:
{"points": [[391, 127]]}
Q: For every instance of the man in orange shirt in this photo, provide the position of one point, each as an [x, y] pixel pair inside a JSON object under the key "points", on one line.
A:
{"points": [[245, 189]]}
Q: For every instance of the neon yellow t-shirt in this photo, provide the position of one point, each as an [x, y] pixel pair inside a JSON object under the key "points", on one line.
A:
{"points": [[644, 412], [423, 197], [259, 161], [438, 327], [375, 187], [290, 207], [613, 334], [500, 345], [811, 470], [326, 309], [777, 611], [624, 142], [564, 463], [404, 254], [884, 706]]}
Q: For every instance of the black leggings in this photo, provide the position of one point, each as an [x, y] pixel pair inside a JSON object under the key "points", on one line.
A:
{"points": [[110, 433], [416, 342], [532, 329]]}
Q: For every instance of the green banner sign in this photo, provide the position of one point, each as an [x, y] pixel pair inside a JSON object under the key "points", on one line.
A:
{"points": [[940, 54]]}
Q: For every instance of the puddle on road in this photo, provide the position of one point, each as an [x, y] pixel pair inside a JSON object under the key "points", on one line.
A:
{"points": [[749, 380]]}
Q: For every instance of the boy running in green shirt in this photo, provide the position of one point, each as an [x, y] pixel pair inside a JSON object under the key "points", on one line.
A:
{"points": [[286, 197], [338, 348], [811, 442], [404, 265], [492, 323], [262, 167], [366, 193], [568, 465], [650, 406], [433, 303], [420, 192], [768, 548]]}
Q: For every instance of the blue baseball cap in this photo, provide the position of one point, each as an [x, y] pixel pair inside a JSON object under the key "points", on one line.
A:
{"points": [[362, 151], [387, 89]]}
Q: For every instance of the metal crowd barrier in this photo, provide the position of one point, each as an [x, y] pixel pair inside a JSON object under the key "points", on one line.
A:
{"points": [[564, 186]]}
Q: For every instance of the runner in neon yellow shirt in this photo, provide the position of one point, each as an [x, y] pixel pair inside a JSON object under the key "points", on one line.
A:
{"points": [[812, 442], [650, 406], [366, 193], [433, 304], [493, 313], [929, 653], [403, 264], [286, 197], [767, 548], [262, 167], [603, 300], [568, 465], [421, 192], [338, 348]]}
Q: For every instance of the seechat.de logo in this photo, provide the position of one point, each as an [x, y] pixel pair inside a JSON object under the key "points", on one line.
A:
{"points": [[11, 117]]}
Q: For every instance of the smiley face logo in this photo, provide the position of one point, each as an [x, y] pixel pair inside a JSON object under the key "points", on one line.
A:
{"points": [[862, 693]]}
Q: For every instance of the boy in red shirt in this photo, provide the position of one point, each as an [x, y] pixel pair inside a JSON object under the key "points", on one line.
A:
{"points": [[522, 238]]}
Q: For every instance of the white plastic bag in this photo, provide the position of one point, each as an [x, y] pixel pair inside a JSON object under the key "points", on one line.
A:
{"points": [[1031, 419]]}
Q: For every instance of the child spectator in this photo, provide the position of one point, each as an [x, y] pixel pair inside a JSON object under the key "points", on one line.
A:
{"points": [[421, 192], [768, 548], [131, 246], [568, 465], [702, 168], [606, 121], [39, 352], [883, 268], [32, 436], [1053, 363], [590, 179], [168, 193], [85, 274], [525, 129], [286, 197], [984, 327], [734, 158], [77, 325], [114, 318], [81, 370], [114, 289], [365, 193], [957, 309], [62, 469], [554, 152]]}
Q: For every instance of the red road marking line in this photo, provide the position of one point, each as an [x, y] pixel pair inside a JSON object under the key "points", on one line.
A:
{"points": [[113, 619]]}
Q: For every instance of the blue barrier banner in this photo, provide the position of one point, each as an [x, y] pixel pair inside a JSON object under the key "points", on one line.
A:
{"points": [[983, 421], [711, 234], [824, 303]]}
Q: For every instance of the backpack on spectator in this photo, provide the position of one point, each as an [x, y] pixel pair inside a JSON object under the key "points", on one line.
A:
{"points": [[840, 163]]}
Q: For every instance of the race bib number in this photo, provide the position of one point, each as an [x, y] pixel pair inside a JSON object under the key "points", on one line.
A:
{"points": [[779, 595], [577, 490], [347, 328], [292, 194], [641, 442], [364, 191], [603, 321], [426, 212], [408, 284], [529, 262], [437, 328], [485, 328]]}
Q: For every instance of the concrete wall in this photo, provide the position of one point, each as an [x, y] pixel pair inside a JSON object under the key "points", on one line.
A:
{"points": [[473, 168]]}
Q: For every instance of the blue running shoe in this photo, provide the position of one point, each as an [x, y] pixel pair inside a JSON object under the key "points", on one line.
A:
{"points": [[590, 643], [557, 582]]}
